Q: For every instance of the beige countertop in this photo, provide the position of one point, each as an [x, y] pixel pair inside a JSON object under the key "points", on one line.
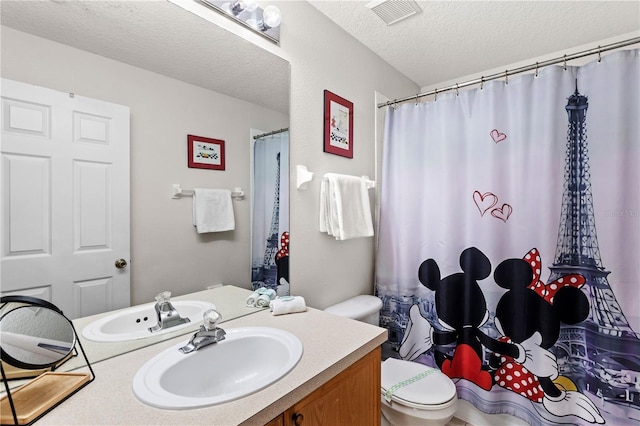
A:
{"points": [[331, 343]]}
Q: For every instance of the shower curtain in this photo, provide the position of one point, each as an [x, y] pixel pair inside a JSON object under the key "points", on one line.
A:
{"points": [[270, 214], [509, 241]]}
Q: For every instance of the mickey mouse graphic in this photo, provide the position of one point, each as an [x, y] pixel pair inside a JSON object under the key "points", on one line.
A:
{"points": [[461, 308], [531, 311]]}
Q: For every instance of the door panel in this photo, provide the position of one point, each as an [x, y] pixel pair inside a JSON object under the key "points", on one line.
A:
{"points": [[65, 198], [28, 207]]}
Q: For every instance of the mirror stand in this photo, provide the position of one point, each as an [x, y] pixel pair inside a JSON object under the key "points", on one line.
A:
{"points": [[48, 390]]}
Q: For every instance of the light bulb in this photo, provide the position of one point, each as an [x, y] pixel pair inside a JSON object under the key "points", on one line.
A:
{"points": [[271, 16]]}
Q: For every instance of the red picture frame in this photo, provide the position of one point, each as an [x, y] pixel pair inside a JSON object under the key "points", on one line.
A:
{"points": [[338, 125], [205, 153]]}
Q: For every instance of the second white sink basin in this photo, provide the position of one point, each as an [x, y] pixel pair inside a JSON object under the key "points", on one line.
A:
{"points": [[246, 361], [134, 323]]}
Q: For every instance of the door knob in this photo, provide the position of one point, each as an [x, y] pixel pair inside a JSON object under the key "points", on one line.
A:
{"points": [[121, 263]]}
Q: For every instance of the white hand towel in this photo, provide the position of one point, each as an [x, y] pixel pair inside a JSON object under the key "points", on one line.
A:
{"points": [[288, 305], [261, 297], [324, 217], [345, 211], [252, 299], [213, 210], [265, 298], [263, 301]]}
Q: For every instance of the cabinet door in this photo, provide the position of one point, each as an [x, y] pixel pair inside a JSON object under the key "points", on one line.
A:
{"points": [[278, 421], [352, 398]]}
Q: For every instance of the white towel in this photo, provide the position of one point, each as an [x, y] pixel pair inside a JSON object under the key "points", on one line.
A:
{"points": [[213, 210], [263, 301], [261, 297], [288, 305], [265, 298], [345, 211], [251, 300]]}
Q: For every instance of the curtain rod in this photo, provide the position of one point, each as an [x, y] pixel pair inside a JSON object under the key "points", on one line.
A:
{"points": [[275, 132], [507, 73]]}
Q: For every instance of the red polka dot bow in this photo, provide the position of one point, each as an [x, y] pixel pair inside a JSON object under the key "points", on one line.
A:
{"points": [[547, 291], [284, 244]]}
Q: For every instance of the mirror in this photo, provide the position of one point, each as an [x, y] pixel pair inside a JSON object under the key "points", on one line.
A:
{"points": [[33, 333], [35, 337], [157, 40]]}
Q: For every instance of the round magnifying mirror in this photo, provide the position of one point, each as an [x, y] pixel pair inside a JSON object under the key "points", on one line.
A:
{"points": [[35, 337]]}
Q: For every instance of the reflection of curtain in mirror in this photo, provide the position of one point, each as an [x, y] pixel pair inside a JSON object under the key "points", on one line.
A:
{"points": [[270, 232]]}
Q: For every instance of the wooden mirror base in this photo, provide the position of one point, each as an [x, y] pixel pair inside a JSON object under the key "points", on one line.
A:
{"points": [[40, 395]]}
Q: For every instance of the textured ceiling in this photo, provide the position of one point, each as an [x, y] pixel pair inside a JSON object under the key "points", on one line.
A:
{"points": [[161, 37], [451, 39]]}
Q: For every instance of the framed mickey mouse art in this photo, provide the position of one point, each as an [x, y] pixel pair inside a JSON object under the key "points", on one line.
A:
{"points": [[338, 125]]}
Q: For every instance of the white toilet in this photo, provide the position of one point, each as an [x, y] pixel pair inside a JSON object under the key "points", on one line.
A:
{"points": [[430, 399]]}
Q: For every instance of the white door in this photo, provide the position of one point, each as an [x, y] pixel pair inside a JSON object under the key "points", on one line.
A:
{"points": [[64, 178]]}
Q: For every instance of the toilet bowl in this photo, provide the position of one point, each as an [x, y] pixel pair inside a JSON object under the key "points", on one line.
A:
{"points": [[430, 399]]}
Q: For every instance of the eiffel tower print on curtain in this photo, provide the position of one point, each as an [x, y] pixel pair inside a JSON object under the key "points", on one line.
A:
{"points": [[604, 346], [265, 275]]}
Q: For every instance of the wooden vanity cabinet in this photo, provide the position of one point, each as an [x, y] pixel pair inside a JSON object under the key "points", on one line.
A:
{"points": [[351, 398]]}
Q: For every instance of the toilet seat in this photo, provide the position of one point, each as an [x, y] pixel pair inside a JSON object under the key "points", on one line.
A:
{"points": [[436, 391]]}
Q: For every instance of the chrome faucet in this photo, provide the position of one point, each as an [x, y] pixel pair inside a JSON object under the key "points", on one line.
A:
{"points": [[209, 333], [168, 316]]}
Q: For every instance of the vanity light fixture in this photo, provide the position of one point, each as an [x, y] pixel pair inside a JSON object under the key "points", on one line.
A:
{"points": [[265, 22]]}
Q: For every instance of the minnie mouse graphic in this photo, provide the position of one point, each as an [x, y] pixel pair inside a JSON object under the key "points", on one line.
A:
{"points": [[533, 311]]}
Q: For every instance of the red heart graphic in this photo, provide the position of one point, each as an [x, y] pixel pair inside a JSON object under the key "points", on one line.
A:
{"points": [[502, 213], [497, 136], [484, 201]]}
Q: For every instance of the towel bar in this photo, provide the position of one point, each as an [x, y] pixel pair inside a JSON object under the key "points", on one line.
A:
{"points": [[178, 192], [304, 176]]}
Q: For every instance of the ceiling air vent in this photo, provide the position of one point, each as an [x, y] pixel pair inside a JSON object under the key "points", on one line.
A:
{"points": [[392, 11]]}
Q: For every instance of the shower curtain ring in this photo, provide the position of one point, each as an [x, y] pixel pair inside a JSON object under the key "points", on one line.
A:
{"points": [[457, 90], [481, 82], [506, 77], [564, 63], [536, 74], [417, 96], [599, 55], [435, 98]]}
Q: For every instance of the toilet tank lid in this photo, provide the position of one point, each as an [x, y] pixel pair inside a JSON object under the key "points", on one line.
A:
{"points": [[356, 307]]}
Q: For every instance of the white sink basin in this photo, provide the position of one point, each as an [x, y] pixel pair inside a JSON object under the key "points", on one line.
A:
{"points": [[246, 361], [134, 323]]}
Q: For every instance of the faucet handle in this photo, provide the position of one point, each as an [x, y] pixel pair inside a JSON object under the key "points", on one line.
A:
{"points": [[163, 297], [210, 318]]}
